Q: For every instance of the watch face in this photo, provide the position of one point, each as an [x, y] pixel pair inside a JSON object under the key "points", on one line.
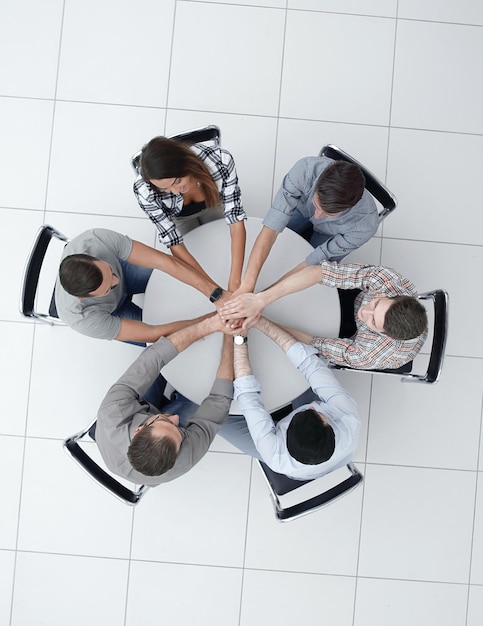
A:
{"points": [[216, 294], [239, 340]]}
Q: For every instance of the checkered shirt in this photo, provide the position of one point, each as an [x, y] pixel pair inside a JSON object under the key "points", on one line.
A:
{"points": [[161, 207], [367, 349]]}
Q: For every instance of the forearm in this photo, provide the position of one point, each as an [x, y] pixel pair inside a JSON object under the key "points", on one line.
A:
{"points": [[134, 330], [181, 253], [225, 369], [182, 339], [250, 306], [292, 282], [277, 334], [241, 362], [149, 257], [294, 270], [238, 241], [299, 335], [258, 256]]}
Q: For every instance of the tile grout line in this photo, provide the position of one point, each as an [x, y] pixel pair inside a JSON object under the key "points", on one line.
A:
{"points": [[475, 505]]}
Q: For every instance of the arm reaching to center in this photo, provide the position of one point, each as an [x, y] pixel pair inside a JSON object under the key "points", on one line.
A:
{"points": [[249, 306]]}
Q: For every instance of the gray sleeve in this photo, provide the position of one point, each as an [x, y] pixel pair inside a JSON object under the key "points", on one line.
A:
{"points": [[208, 418], [295, 185], [119, 245], [97, 324], [200, 431], [124, 395]]}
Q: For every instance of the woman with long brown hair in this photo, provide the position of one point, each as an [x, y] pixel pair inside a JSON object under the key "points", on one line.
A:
{"points": [[181, 187]]}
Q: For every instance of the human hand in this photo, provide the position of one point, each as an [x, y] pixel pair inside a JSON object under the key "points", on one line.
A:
{"points": [[245, 306], [216, 325], [220, 304]]}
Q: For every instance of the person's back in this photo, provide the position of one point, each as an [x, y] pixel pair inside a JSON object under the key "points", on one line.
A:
{"points": [[313, 439]]}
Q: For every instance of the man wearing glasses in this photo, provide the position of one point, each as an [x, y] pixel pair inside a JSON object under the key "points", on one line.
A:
{"points": [[151, 444]]}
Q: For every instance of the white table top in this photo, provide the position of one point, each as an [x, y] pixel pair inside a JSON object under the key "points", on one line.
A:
{"points": [[315, 310]]}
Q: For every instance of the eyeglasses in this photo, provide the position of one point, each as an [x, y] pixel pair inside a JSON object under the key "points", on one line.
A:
{"points": [[163, 418]]}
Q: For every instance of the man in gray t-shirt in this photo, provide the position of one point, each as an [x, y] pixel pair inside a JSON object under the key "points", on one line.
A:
{"points": [[101, 270], [326, 202]]}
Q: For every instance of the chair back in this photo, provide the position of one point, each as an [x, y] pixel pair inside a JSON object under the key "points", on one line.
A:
{"points": [[97, 473], [373, 185], [198, 135], [440, 301], [280, 485], [32, 273]]}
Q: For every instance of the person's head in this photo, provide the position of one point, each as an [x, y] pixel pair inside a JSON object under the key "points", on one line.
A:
{"points": [[172, 167], [399, 317], [339, 187], [155, 445], [86, 276], [310, 438]]}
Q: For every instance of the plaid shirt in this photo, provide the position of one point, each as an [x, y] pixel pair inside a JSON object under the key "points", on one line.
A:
{"points": [[162, 207], [368, 349]]}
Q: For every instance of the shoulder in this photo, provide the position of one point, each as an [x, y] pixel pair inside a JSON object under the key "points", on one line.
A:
{"points": [[214, 154], [94, 238]]}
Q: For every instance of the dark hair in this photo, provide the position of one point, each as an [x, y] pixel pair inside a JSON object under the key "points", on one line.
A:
{"points": [[340, 186], [150, 454], [168, 158], [309, 439], [406, 318], [79, 275]]}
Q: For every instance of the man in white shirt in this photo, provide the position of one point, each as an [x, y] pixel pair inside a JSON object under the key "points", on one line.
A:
{"points": [[313, 439]]}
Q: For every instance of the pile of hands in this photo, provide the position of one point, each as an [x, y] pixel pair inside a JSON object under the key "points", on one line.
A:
{"points": [[239, 311]]}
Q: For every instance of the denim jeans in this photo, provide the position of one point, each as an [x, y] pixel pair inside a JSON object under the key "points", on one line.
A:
{"points": [[304, 227], [176, 405], [135, 280]]}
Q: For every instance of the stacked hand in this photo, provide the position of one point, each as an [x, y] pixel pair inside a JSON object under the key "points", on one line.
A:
{"points": [[242, 310]]}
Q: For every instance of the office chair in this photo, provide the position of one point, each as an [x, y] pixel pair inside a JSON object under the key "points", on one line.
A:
{"points": [[198, 135], [31, 277], [105, 480], [280, 485], [373, 185], [440, 301]]}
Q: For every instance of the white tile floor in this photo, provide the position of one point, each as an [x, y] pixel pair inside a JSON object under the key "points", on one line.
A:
{"points": [[396, 82]]}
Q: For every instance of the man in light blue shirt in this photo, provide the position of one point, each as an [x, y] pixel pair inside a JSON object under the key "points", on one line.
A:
{"points": [[315, 438]]}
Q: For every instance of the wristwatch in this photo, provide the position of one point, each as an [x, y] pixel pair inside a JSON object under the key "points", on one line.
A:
{"points": [[239, 340], [216, 294]]}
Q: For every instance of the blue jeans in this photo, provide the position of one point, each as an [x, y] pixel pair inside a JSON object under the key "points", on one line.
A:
{"points": [[235, 431], [177, 405], [304, 227], [135, 280]]}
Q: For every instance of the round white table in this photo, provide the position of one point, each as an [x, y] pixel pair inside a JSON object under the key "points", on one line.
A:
{"points": [[315, 310]]}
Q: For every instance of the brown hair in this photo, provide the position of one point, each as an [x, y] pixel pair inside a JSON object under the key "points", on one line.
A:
{"points": [[168, 158], [340, 186], [79, 275], [406, 318], [150, 454]]}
